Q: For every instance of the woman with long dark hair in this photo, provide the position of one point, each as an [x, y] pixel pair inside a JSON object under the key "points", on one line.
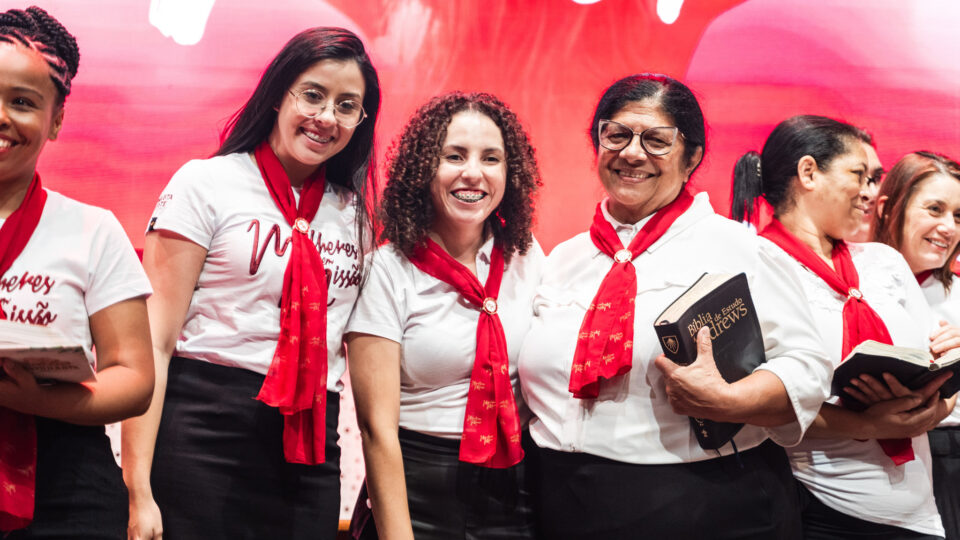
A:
{"points": [[863, 474], [618, 458], [435, 335], [255, 257], [919, 216], [70, 268]]}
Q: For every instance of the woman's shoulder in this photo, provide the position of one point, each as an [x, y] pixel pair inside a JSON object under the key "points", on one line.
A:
{"points": [[877, 255], [211, 172], [68, 210]]}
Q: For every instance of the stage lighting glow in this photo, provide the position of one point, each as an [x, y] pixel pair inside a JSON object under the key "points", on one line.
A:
{"points": [[182, 20], [585, 2], [669, 10]]}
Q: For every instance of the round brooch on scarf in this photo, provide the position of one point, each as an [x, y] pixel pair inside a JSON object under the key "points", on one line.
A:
{"points": [[490, 305], [855, 293], [623, 256], [301, 225]]}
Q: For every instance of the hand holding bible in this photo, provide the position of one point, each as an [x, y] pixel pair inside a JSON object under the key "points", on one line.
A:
{"points": [[697, 389]]}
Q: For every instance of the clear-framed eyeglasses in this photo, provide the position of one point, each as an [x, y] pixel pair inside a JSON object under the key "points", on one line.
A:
{"points": [[311, 102], [656, 141]]}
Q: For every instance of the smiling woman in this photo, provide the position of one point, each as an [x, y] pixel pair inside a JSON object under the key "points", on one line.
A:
{"points": [[57, 470], [867, 472], [234, 320], [435, 335]]}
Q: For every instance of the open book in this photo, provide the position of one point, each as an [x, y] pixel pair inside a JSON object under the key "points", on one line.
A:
{"points": [[722, 303], [47, 354], [912, 367]]}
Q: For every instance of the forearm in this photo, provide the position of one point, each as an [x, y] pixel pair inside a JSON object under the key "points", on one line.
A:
{"points": [[386, 485], [139, 435], [835, 422], [119, 392], [759, 399]]}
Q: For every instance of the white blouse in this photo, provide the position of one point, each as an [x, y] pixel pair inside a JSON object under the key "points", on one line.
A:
{"points": [[223, 205], [437, 331], [856, 477], [946, 307], [631, 420]]}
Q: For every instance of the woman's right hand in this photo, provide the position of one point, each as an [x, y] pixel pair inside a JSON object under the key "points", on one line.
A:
{"points": [[145, 522]]}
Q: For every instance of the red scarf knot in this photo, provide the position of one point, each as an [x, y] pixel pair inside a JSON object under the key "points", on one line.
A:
{"points": [[860, 321], [18, 446], [296, 382], [491, 424], [605, 341]]}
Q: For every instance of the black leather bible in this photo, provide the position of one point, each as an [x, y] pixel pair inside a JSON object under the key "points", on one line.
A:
{"points": [[721, 302]]}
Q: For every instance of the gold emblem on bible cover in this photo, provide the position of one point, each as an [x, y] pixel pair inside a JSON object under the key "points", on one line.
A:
{"points": [[671, 343]]}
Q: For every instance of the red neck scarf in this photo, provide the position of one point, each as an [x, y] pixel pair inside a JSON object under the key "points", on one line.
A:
{"points": [[297, 380], [860, 321], [18, 453], [491, 425], [605, 342], [922, 276]]}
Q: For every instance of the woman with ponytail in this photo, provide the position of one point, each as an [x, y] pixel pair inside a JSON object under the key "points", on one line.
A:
{"points": [[919, 215], [618, 458], [864, 474], [68, 267], [255, 257]]}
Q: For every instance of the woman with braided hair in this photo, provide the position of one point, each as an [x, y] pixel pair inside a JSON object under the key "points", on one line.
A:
{"points": [[69, 267], [255, 256]]}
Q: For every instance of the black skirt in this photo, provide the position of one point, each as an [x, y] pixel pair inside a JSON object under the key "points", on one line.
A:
{"points": [[219, 470], [945, 449], [79, 487], [452, 500], [750, 495], [820, 522]]}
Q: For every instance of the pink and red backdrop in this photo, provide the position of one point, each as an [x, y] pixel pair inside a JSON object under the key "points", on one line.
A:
{"points": [[142, 104]]}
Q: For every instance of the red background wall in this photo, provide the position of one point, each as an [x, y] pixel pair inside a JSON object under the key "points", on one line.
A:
{"points": [[142, 104]]}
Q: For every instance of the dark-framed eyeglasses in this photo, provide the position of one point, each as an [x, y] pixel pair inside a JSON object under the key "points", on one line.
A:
{"points": [[656, 141], [311, 102]]}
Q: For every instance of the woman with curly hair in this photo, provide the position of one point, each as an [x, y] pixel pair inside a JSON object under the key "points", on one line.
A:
{"points": [[434, 337], [919, 215], [67, 267]]}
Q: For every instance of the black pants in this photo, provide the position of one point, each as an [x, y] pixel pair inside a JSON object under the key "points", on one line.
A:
{"points": [[945, 448], [453, 500], [820, 522], [219, 470], [79, 491], [585, 497]]}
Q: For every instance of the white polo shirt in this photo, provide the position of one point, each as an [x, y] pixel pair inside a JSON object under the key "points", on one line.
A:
{"points": [[631, 420], [437, 331], [77, 262], [946, 307], [223, 205], [856, 477]]}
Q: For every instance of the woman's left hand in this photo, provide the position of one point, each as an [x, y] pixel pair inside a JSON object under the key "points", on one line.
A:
{"points": [[696, 389], [944, 338], [18, 387]]}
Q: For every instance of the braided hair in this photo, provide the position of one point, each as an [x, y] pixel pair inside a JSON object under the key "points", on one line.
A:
{"points": [[36, 29]]}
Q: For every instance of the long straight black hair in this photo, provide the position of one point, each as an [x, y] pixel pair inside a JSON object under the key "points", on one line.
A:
{"points": [[354, 167]]}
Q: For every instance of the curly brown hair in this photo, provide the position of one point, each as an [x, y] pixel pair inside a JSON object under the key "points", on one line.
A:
{"points": [[406, 211]]}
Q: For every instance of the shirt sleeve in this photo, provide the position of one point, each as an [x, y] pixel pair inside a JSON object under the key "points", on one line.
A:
{"points": [[379, 308], [114, 272], [793, 345], [186, 207]]}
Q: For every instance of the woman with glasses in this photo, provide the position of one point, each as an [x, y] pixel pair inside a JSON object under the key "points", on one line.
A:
{"points": [[255, 256], [919, 216], [618, 458], [435, 335], [67, 272], [862, 474]]}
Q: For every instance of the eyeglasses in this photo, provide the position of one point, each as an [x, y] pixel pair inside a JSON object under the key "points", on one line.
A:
{"points": [[311, 102], [656, 141]]}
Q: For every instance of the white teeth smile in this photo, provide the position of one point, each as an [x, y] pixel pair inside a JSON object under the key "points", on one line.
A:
{"points": [[469, 196], [4, 144], [941, 245], [635, 175], [317, 138]]}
